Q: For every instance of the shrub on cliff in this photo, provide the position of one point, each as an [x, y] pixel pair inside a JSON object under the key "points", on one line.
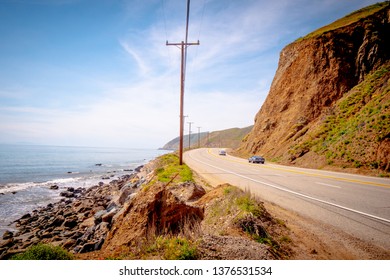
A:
{"points": [[44, 252]]}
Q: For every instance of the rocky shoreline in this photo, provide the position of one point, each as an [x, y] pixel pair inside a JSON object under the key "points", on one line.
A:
{"points": [[79, 222]]}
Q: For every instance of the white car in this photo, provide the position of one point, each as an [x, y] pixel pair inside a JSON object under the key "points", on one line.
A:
{"points": [[222, 153]]}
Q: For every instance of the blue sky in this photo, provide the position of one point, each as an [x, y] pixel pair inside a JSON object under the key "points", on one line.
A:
{"points": [[98, 72]]}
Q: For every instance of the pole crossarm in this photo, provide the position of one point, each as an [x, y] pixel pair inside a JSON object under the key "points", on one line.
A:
{"points": [[183, 44]]}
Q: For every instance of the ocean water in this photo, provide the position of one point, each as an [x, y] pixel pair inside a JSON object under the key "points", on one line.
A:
{"points": [[28, 171]]}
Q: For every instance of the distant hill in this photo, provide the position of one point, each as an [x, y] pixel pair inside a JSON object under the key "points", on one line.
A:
{"points": [[329, 102], [228, 138]]}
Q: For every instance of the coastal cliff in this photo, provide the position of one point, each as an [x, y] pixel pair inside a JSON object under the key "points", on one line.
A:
{"points": [[328, 104]]}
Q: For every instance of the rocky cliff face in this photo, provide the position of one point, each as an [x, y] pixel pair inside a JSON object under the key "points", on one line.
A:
{"points": [[312, 76]]}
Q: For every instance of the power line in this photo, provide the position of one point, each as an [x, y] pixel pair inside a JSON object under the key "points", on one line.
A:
{"points": [[164, 18], [195, 56], [186, 38], [201, 19]]}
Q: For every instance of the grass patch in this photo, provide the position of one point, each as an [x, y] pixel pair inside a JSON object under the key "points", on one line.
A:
{"points": [[168, 170], [347, 20], [249, 205], [172, 248], [169, 167], [44, 252]]}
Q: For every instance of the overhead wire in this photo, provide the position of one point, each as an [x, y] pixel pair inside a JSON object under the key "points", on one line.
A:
{"points": [[164, 16], [199, 32], [193, 60]]}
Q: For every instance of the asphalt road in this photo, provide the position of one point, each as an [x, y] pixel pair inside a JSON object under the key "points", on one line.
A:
{"points": [[357, 205]]}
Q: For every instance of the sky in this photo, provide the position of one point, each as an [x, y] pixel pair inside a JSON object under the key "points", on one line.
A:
{"points": [[98, 72]]}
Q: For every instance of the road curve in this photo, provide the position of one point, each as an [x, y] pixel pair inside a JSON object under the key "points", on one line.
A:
{"points": [[357, 205]]}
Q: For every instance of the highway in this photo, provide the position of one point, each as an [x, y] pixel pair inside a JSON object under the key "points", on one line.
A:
{"points": [[357, 205]]}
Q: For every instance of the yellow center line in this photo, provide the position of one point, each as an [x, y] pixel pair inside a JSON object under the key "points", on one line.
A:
{"points": [[308, 173]]}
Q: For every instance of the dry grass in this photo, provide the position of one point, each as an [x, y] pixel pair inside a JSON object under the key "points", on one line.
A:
{"points": [[347, 20]]}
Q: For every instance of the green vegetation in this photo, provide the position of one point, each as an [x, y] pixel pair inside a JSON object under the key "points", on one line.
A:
{"points": [[170, 167], [172, 248], [169, 170], [44, 252], [347, 20], [237, 202], [249, 205], [161, 247], [356, 125]]}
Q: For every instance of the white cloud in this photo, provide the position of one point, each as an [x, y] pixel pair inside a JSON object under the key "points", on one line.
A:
{"points": [[140, 62]]}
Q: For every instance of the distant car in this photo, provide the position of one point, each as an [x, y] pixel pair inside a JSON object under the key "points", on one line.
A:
{"points": [[222, 153], [256, 159]]}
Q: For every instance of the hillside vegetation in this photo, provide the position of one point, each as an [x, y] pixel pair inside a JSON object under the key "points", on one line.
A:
{"points": [[356, 127], [347, 20]]}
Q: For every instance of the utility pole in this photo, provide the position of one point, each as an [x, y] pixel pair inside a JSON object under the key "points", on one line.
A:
{"points": [[189, 135], [183, 46], [198, 137]]}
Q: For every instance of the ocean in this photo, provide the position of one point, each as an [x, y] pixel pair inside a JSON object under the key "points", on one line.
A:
{"points": [[28, 171]]}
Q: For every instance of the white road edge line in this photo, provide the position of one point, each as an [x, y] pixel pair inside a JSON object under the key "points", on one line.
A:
{"points": [[328, 185], [296, 193]]}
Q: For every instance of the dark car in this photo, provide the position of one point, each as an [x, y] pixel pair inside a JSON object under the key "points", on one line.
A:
{"points": [[256, 159]]}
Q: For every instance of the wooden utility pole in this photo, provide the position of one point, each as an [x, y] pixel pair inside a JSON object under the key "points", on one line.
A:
{"points": [[183, 46], [198, 137], [189, 135]]}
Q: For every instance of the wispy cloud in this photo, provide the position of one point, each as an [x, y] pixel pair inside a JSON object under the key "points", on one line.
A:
{"points": [[136, 57]]}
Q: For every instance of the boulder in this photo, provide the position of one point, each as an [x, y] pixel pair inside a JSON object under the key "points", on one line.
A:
{"points": [[56, 222], [8, 234], [7, 243], [125, 191], [87, 247], [54, 187], [111, 205], [98, 216], [70, 222], [69, 243], [67, 194], [138, 169], [107, 217]]}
